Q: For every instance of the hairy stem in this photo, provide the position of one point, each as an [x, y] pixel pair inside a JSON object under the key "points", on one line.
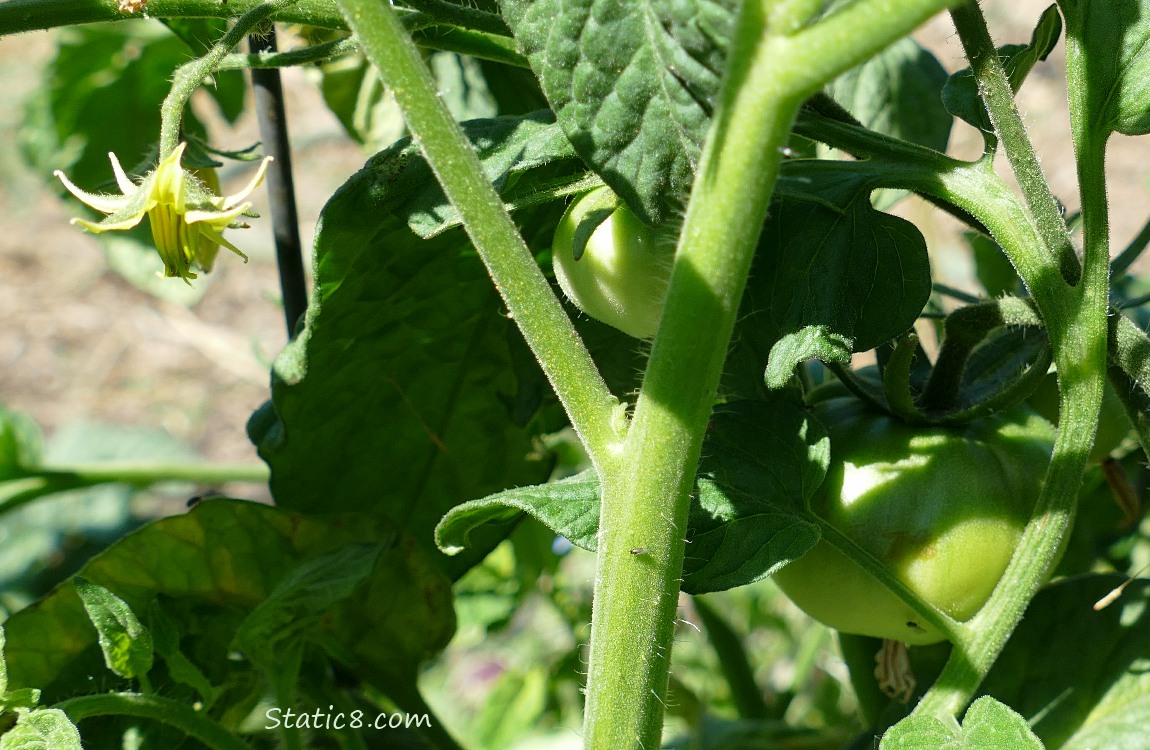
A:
{"points": [[1077, 324], [191, 75], [995, 89], [532, 303], [645, 505]]}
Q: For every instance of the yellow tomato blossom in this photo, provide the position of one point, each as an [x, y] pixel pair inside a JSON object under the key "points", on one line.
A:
{"points": [[186, 216]]}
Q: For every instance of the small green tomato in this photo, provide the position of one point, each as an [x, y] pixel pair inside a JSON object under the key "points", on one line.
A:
{"points": [[621, 276], [942, 508]]}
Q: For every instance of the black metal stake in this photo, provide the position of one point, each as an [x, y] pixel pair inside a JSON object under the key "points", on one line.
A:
{"points": [[268, 89]]}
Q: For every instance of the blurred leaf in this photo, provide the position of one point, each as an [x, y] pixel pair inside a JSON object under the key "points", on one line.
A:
{"points": [[103, 77], [987, 724], [760, 463], [20, 444], [126, 643], [1080, 675], [515, 90], [961, 93], [227, 556], [47, 540], [44, 729], [367, 110], [1114, 43], [898, 92], [633, 87], [991, 266], [353, 92], [399, 395], [513, 706]]}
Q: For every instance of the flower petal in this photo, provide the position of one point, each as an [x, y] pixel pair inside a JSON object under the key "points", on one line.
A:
{"points": [[218, 238], [127, 187], [235, 198], [217, 219], [105, 226], [105, 203], [168, 187]]}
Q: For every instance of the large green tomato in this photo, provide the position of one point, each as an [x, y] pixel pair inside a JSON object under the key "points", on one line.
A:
{"points": [[942, 508], [622, 275]]}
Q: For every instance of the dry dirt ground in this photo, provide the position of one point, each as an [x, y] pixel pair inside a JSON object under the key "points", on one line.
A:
{"points": [[79, 343]]}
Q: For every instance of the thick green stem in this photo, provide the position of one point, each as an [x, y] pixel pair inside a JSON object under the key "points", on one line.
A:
{"points": [[995, 89], [178, 715], [644, 505], [534, 306]]}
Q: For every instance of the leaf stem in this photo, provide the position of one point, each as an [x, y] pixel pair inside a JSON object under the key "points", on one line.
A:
{"points": [[529, 298], [1076, 320], [163, 710], [996, 92], [190, 76], [142, 474]]}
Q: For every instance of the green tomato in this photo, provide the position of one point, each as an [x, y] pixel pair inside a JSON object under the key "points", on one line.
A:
{"points": [[942, 508], [622, 275]]}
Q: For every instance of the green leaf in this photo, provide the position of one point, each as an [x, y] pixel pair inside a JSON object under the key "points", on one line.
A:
{"points": [[897, 92], [1115, 43], [45, 729], [166, 639], [569, 507], [988, 724], [1080, 675], [353, 92], [831, 273], [272, 635], [126, 643], [961, 92], [762, 461], [812, 342], [399, 395], [632, 84], [227, 556]]}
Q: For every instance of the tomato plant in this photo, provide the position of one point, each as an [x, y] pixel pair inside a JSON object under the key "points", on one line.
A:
{"points": [[485, 507], [943, 508]]}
